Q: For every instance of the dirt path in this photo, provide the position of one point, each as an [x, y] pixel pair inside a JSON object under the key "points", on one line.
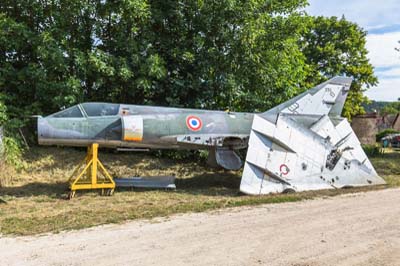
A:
{"points": [[356, 229]]}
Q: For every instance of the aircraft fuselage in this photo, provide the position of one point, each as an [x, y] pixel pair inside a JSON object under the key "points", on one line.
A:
{"points": [[134, 126]]}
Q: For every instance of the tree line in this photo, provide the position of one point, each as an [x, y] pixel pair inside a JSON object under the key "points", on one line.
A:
{"points": [[214, 54]]}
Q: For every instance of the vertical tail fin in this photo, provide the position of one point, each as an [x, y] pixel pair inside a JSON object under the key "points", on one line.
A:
{"points": [[327, 98]]}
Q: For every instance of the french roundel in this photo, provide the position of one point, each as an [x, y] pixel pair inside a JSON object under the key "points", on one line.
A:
{"points": [[193, 123], [284, 169]]}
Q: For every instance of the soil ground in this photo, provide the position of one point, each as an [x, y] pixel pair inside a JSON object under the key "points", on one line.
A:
{"points": [[351, 229]]}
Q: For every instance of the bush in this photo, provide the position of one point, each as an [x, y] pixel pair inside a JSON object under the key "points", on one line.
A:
{"points": [[13, 153], [385, 132], [11, 144], [11, 160], [371, 150]]}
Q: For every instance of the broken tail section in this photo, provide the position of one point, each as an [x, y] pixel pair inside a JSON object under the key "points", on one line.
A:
{"points": [[304, 144]]}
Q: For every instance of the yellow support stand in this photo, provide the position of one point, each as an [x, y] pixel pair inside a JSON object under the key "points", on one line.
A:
{"points": [[88, 177]]}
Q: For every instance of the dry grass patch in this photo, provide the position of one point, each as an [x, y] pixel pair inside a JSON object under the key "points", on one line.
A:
{"points": [[33, 201]]}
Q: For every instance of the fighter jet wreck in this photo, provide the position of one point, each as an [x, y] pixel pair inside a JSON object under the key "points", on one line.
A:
{"points": [[302, 144]]}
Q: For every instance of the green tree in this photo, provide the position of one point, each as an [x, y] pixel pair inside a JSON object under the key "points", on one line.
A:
{"points": [[227, 54], [391, 108], [335, 46], [244, 55]]}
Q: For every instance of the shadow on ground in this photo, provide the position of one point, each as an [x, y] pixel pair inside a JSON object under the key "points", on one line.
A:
{"points": [[207, 184], [53, 190]]}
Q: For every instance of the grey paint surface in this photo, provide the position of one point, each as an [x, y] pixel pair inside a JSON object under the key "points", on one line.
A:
{"points": [[154, 127], [163, 128]]}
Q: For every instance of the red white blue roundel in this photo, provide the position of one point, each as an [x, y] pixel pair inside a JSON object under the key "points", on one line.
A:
{"points": [[193, 123]]}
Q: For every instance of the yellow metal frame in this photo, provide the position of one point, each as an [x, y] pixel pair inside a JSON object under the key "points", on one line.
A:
{"points": [[91, 163]]}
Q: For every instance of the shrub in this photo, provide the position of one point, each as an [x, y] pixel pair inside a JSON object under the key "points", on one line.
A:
{"points": [[13, 153], [371, 150]]}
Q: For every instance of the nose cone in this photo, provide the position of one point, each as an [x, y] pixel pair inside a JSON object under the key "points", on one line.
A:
{"points": [[58, 131], [42, 130]]}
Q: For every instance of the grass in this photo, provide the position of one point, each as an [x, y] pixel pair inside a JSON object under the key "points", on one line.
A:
{"points": [[33, 201]]}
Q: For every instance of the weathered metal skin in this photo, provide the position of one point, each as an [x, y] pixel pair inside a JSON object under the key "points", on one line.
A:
{"points": [[304, 144], [162, 128], [156, 128]]}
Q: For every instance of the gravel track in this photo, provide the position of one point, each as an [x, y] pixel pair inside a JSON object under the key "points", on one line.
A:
{"points": [[352, 229]]}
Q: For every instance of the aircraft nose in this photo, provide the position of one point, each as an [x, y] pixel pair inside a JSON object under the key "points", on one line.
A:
{"points": [[42, 129]]}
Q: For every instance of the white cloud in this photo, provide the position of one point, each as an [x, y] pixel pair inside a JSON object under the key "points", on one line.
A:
{"points": [[381, 49], [382, 19], [387, 90], [390, 73], [367, 13], [387, 61]]}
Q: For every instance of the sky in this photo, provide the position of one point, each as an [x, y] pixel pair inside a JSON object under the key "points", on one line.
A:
{"points": [[382, 21]]}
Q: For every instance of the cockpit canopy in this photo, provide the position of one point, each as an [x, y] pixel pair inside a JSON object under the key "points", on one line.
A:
{"points": [[101, 109], [71, 112], [88, 110]]}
